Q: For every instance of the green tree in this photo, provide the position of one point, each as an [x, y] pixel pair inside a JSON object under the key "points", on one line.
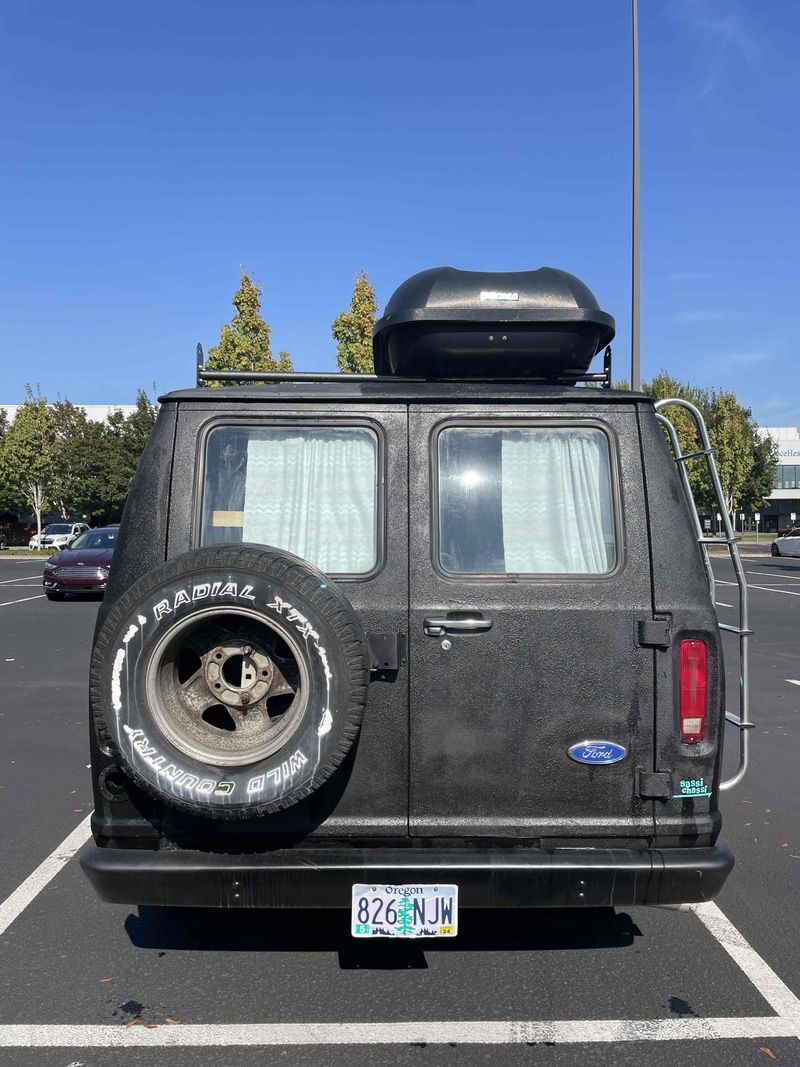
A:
{"points": [[129, 434], [244, 342], [405, 916], [762, 476], [88, 477], [28, 454], [731, 433], [352, 330], [745, 459]]}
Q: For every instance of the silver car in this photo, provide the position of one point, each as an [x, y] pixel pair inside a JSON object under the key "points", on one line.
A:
{"points": [[58, 535]]}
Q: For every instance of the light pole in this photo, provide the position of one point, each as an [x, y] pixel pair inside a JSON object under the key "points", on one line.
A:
{"points": [[636, 374]]}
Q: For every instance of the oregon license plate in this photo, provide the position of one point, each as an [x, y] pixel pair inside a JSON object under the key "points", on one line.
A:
{"points": [[404, 911]]}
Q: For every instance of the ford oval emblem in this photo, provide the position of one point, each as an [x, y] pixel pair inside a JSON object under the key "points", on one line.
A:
{"points": [[596, 752]]}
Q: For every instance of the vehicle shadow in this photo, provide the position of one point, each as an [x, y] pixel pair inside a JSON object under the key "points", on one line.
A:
{"points": [[328, 930]]}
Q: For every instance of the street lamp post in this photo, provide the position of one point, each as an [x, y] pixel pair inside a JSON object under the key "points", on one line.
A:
{"points": [[636, 375]]}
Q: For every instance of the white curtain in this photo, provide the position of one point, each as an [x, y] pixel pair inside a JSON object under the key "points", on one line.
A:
{"points": [[313, 493], [556, 502]]}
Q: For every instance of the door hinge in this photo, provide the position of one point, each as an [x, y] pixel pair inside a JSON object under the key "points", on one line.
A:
{"points": [[387, 652], [654, 633], [654, 785]]}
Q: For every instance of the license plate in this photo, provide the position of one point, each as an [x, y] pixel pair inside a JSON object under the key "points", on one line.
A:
{"points": [[404, 911]]}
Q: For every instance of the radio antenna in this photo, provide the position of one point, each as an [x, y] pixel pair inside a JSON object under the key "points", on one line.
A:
{"points": [[636, 374]]}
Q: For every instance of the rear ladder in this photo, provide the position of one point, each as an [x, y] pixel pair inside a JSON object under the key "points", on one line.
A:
{"points": [[731, 541]]}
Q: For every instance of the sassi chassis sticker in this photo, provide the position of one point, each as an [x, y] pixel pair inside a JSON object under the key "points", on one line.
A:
{"points": [[263, 786]]}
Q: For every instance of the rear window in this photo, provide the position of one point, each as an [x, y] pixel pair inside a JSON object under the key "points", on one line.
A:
{"points": [[310, 491], [95, 539], [525, 501]]}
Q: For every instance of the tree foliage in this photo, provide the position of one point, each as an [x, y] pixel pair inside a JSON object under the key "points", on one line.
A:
{"points": [[56, 455], [244, 342], [352, 330], [28, 455], [745, 459]]}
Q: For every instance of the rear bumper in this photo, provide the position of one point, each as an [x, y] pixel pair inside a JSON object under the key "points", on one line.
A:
{"points": [[322, 878]]}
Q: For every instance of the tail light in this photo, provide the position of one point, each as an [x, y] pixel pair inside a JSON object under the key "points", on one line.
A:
{"points": [[693, 691]]}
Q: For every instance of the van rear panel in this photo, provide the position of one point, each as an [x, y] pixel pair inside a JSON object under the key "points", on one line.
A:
{"points": [[495, 712], [690, 814]]}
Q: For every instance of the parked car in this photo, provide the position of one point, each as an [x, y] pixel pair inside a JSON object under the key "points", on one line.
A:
{"points": [[438, 638], [787, 544], [83, 567], [58, 535]]}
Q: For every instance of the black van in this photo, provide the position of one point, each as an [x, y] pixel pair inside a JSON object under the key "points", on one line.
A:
{"points": [[401, 643]]}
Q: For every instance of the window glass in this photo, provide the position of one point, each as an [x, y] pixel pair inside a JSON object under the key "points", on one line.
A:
{"points": [[525, 500], [95, 539], [310, 491]]}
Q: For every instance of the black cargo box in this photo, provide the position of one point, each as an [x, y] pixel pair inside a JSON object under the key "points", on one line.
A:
{"points": [[447, 323]]}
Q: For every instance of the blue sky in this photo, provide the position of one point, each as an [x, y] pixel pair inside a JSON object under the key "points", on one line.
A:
{"points": [[150, 149]]}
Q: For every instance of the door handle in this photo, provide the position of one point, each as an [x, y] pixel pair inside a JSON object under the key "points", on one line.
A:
{"points": [[437, 627]]}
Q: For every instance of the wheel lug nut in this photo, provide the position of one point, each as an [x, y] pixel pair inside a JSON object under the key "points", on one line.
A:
{"points": [[247, 650], [245, 698]]}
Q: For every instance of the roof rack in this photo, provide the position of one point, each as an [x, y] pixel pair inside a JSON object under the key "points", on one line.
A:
{"points": [[602, 378]]}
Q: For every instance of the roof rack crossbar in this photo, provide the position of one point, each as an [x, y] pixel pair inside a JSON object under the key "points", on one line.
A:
{"points": [[603, 378], [325, 376]]}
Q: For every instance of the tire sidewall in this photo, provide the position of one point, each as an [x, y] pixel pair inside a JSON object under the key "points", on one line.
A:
{"points": [[270, 783]]}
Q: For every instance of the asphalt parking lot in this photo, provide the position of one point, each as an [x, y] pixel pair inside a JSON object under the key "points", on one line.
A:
{"points": [[85, 984]]}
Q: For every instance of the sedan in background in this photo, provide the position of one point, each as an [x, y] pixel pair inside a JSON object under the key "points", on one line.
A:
{"points": [[83, 567], [787, 544], [57, 535]]}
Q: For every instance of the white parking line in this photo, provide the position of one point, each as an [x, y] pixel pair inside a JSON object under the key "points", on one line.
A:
{"points": [[773, 574], [33, 885], [22, 600], [776, 993], [22, 578], [786, 1023], [768, 588], [721, 604], [794, 681], [488, 1032]]}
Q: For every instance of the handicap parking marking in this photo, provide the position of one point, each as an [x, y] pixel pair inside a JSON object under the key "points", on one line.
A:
{"points": [[774, 991]]}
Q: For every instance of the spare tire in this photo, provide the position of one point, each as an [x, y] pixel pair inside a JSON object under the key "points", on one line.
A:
{"points": [[232, 680]]}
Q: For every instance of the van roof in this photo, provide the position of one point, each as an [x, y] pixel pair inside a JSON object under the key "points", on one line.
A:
{"points": [[398, 390]]}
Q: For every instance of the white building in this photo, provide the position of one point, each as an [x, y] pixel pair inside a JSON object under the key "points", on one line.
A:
{"points": [[784, 500], [95, 412]]}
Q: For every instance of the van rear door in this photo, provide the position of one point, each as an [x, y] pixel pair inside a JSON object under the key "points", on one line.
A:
{"points": [[529, 574]]}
